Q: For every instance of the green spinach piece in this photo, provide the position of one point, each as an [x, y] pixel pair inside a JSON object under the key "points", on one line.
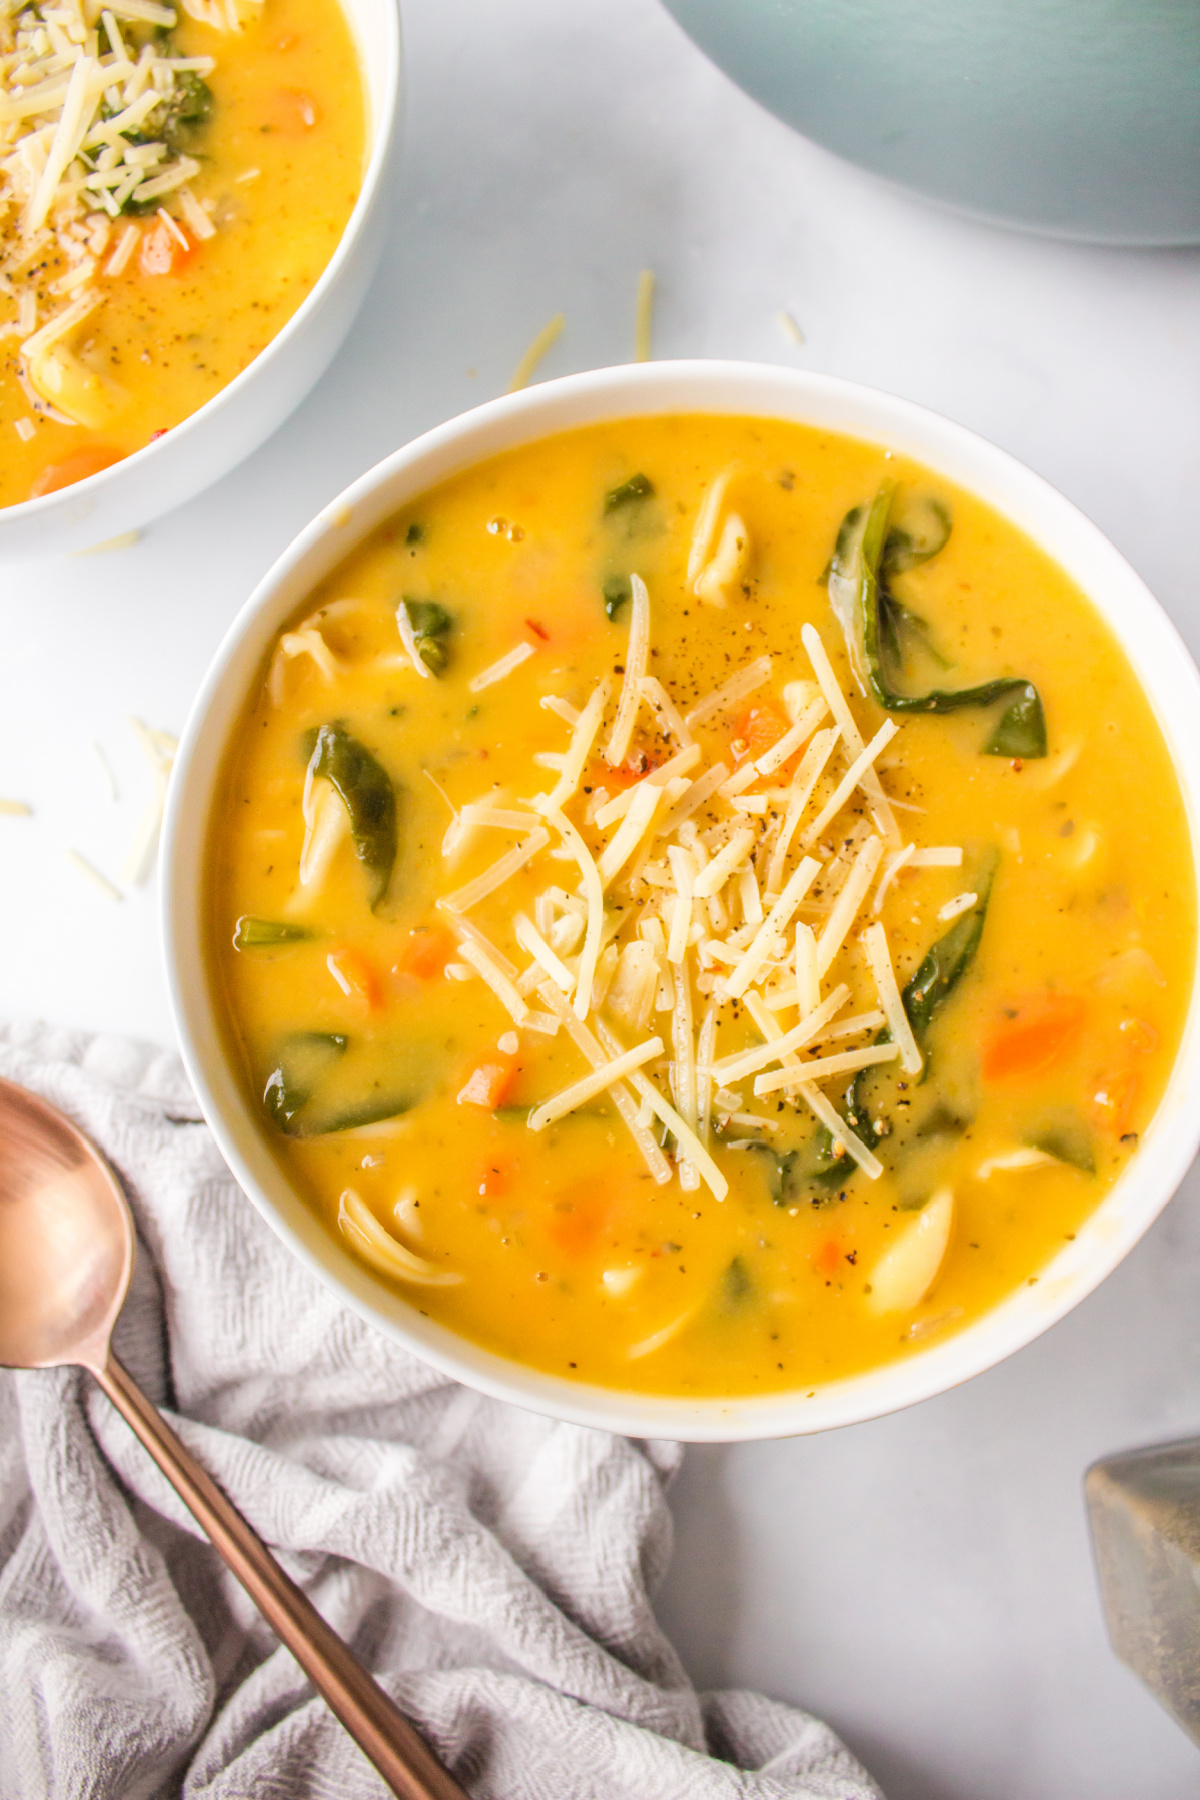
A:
{"points": [[737, 1285], [265, 934], [304, 1058], [860, 594], [947, 961], [431, 625], [307, 1061], [638, 487], [941, 969], [617, 590], [1068, 1140], [363, 1112], [365, 790]]}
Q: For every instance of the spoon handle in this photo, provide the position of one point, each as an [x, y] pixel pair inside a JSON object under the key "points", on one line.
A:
{"points": [[385, 1736]]}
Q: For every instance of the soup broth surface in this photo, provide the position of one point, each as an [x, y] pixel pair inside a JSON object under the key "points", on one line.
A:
{"points": [[120, 320], [991, 909]]}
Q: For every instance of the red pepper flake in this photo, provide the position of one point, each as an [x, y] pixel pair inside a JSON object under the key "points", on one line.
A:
{"points": [[161, 432], [538, 630]]}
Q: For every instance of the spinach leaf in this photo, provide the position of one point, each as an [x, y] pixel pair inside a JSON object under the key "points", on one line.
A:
{"points": [[431, 625], [791, 1174], [365, 790], [919, 540], [617, 590], [859, 592], [638, 487], [307, 1067], [737, 1285], [947, 961], [941, 969], [263, 934], [1067, 1138], [304, 1058]]}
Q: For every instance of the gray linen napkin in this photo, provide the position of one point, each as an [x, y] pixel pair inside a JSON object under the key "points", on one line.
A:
{"points": [[493, 1568]]}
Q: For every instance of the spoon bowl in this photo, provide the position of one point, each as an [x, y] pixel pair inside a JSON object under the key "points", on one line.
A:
{"points": [[66, 1239], [66, 1256]]}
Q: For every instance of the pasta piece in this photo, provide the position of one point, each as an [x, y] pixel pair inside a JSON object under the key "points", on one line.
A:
{"points": [[363, 1231]]}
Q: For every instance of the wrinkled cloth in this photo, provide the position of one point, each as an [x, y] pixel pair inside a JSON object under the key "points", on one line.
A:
{"points": [[493, 1568]]}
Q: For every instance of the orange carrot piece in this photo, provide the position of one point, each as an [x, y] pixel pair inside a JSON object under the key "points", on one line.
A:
{"points": [[1114, 1098], [489, 1082], [293, 112], [426, 952], [761, 726], [827, 1258], [575, 1225], [1035, 1034], [355, 976], [161, 252], [89, 460]]}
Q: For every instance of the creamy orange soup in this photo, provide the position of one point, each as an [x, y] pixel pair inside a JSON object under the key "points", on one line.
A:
{"points": [[701, 905], [175, 179]]}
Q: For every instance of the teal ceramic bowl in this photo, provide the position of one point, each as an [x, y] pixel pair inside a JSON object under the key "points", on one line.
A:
{"points": [[1077, 118]]}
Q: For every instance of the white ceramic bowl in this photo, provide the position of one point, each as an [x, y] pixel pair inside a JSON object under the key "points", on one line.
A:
{"points": [[1150, 641], [236, 421]]}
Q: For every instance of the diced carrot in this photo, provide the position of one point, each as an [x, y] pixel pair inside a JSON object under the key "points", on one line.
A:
{"points": [[827, 1257], [293, 112], [635, 768], [575, 1224], [761, 726], [1034, 1034], [1138, 1035], [495, 1176], [1114, 1098], [89, 460], [355, 976], [162, 253], [425, 953], [490, 1081]]}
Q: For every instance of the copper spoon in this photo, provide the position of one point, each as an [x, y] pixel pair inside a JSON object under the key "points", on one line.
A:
{"points": [[66, 1255]]}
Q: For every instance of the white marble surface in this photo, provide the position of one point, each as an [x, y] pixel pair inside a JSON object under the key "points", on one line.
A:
{"points": [[925, 1580]]}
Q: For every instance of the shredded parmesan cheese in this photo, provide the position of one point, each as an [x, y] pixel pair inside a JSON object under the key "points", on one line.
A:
{"points": [[582, 738], [746, 1062], [885, 818], [489, 968], [838, 1129], [845, 907], [636, 655], [500, 871], [524, 370], [655, 694], [589, 1085], [94, 876], [585, 1040], [773, 927], [960, 904], [875, 944], [854, 777], [713, 878], [1013, 1160], [686, 1138], [730, 692], [504, 665]]}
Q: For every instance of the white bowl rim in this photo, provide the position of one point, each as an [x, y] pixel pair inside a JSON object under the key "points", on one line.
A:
{"points": [[381, 125], [1162, 662]]}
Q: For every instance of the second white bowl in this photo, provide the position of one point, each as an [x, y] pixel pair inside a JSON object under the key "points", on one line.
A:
{"points": [[227, 428]]}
